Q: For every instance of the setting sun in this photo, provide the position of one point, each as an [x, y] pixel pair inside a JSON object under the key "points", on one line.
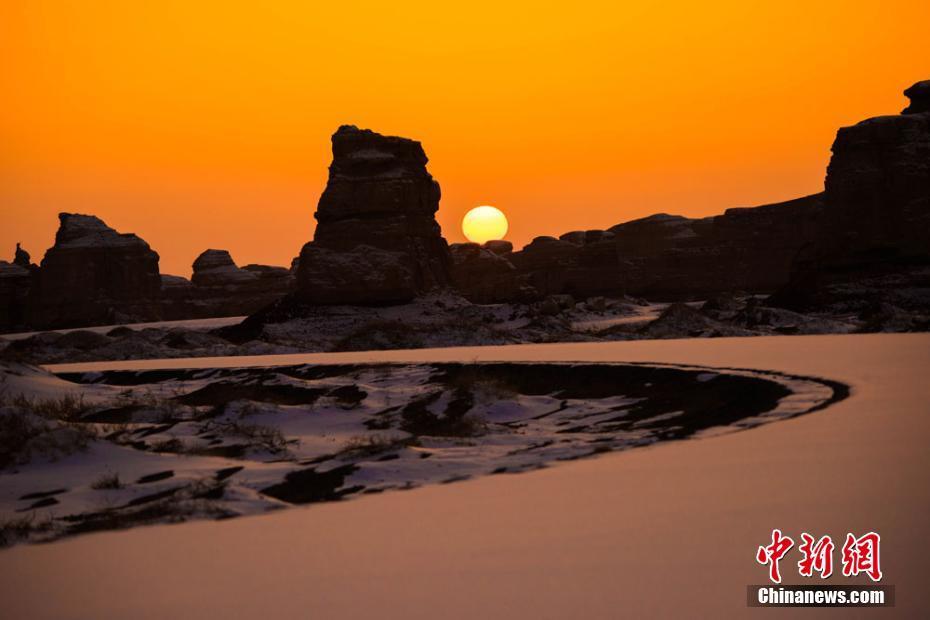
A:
{"points": [[483, 224]]}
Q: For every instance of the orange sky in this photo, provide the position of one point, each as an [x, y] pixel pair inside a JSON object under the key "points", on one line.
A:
{"points": [[208, 126]]}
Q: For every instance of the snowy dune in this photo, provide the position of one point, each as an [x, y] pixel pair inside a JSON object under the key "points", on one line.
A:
{"points": [[656, 531]]}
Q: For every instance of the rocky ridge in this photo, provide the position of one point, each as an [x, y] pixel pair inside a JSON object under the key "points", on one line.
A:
{"points": [[862, 246]]}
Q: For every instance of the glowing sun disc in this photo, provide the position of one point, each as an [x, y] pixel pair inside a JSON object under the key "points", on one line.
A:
{"points": [[483, 224]]}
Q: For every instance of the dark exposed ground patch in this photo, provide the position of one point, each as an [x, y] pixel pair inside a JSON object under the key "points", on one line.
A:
{"points": [[226, 472], [115, 415], [419, 419], [42, 503], [43, 494], [153, 497], [230, 451], [222, 392], [348, 396], [309, 485], [162, 475], [658, 390], [155, 429]]}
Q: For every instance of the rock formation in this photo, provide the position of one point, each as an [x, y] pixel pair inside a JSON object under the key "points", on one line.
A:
{"points": [[377, 240], [484, 275], [217, 268], [15, 281], [863, 245], [919, 94], [94, 275], [22, 258], [875, 229], [748, 249], [661, 257], [570, 264], [218, 287], [499, 247], [870, 227]]}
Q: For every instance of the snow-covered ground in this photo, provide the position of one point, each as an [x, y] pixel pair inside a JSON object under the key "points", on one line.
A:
{"points": [[447, 320], [640, 316], [195, 324], [664, 531], [156, 446]]}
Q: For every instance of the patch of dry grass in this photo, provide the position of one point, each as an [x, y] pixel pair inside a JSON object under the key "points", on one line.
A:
{"points": [[107, 481], [32, 427], [370, 445], [19, 529], [67, 408]]}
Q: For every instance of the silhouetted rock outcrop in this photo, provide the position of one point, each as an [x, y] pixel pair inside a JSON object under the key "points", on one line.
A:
{"points": [[15, 281], [662, 257], [483, 275], [576, 264], [377, 240], [750, 249], [217, 268], [22, 258], [874, 237], [362, 275], [919, 94], [94, 275], [218, 287], [179, 299], [499, 247], [862, 246]]}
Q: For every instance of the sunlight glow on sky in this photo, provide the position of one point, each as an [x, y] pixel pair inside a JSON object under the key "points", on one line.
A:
{"points": [[201, 125]]}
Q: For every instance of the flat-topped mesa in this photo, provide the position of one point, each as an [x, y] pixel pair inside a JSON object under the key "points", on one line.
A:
{"points": [[94, 275], [379, 202]]}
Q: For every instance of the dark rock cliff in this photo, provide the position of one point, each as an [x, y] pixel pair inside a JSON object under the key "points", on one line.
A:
{"points": [[874, 237], [94, 275], [377, 240]]}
